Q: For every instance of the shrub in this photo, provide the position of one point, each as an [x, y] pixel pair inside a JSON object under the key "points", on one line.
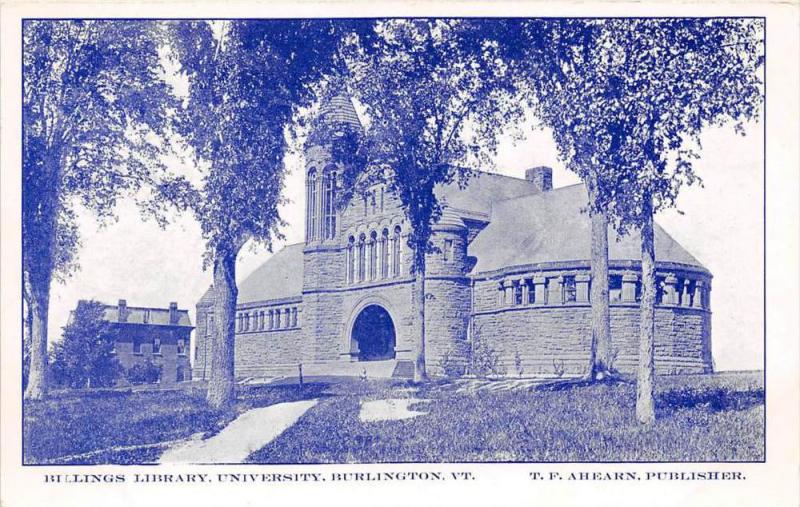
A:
{"points": [[452, 363], [144, 373], [484, 360]]}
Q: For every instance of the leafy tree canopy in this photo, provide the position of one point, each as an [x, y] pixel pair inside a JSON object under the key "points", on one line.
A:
{"points": [[628, 99], [85, 356], [434, 94]]}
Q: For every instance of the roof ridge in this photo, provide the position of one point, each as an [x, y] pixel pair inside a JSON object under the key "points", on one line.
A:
{"points": [[545, 193]]}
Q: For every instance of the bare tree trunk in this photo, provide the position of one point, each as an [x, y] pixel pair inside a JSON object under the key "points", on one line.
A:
{"points": [[27, 337], [221, 386], [645, 405], [420, 373], [601, 316], [38, 306]]}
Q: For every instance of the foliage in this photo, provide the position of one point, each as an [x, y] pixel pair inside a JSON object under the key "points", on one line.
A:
{"points": [[248, 84], [146, 372], [424, 83], [85, 355], [452, 363], [484, 360], [628, 99], [95, 110]]}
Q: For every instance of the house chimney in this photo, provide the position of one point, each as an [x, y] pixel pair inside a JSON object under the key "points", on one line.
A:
{"points": [[173, 313], [541, 176], [122, 310]]}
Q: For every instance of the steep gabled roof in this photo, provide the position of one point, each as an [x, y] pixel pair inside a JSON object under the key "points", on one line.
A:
{"points": [[551, 227], [280, 276]]}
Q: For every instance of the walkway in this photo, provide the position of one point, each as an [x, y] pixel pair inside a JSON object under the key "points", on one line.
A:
{"points": [[246, 434]]}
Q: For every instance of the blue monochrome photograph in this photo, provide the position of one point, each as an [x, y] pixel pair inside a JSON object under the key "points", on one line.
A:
{"points": [[393, 240]]}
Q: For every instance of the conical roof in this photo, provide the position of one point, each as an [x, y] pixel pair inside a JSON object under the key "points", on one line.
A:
{"points": [[339, 109], [449, 221]]}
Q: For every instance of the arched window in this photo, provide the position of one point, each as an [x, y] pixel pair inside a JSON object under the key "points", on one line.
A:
{"points": [[396, 252], [361, 254], [373, 255], [385, 253], [349, 267], [311, 205], [329, 204]]}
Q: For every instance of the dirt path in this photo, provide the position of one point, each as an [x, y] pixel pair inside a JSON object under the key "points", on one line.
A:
{"points": [[246, 434]]}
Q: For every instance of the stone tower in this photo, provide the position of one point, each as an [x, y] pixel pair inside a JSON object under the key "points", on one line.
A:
{"points": [[323, 256]]}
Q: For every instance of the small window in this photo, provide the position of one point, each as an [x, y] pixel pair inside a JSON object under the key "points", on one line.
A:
{"points": [[569, 289], [448, 249], [615, 288], [517, 294], [146, 316], [209, 325], [531, 292], [181, 347], [659, 290], [294, 317], [156, 345], [137, 347]]}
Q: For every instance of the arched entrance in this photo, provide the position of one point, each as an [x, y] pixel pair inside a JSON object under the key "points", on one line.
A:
{"points": [[373, 331]]}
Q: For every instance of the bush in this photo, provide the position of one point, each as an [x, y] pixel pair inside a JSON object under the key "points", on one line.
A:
{"points": [[452, 363], [144, 373], [484, 360]]}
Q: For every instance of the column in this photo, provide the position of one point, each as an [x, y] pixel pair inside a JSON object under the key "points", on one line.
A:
{"points": [[670, 290], [629, 287], [538, 290], [582, 288], [698, 294], [686, 297]]}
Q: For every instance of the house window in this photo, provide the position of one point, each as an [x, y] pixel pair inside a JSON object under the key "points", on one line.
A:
{"points": [[277, 319], [247, 322], [294, 317], [517, 293], [329, 205], [288, 318], [373, 255], [384, 252], [156, 345], [271, 320], [350, 250], [137, 347], [180, 375], [501, 294], [615, 288], [209, 325], [311, 203], [531, 292], [146, 317], [569, 293], [181, 347], [361, 257], [448, 249], [396, 252], [381, 199]]}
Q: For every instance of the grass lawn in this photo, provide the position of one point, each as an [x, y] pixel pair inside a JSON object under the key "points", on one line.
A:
{"points": [[700, 418]]}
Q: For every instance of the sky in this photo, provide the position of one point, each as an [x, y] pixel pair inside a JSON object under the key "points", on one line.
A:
{"points": [[721, 224]]}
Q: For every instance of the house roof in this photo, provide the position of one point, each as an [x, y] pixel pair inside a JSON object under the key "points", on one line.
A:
{"points": [[551, 227], [280, 276], [155, 316], [482, 190]]}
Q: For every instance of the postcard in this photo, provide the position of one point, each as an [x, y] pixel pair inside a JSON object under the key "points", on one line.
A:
{"points": [[388, 254]]}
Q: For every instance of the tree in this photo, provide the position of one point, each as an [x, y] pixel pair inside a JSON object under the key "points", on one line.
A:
{"points": [[564, 65], [652, 87], [423, 83], [94, 104], [85, 356], [246, 86]]}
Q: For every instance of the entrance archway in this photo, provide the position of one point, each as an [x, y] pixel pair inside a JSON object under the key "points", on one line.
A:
{"points": [[373, 331]]}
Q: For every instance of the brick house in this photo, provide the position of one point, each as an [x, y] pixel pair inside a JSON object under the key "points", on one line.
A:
{"points": [[161, 335], [512, 270]]}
